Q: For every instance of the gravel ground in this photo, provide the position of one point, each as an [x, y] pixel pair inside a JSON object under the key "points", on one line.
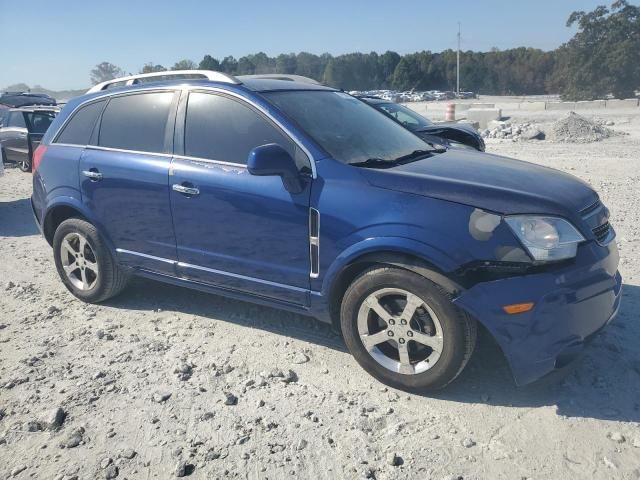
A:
{"points": [[164, 382]]}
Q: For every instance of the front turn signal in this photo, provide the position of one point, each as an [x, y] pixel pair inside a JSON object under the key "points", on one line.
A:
{"points": [[518, 308]]}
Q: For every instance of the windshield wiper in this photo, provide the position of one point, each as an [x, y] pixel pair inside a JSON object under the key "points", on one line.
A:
{"points": [[374, 163], [410, 157], [417, 155]]}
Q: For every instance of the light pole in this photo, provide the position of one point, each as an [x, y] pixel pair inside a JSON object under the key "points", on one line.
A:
{"points": [[458, 64]]}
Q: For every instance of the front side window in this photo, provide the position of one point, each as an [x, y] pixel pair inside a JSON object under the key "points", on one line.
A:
{"points": [[347, 128], [79, 129], [136, 122], [16, 120], [220, 128]]}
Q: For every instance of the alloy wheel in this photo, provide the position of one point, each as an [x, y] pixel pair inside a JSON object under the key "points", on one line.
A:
{"points": [[400, 331], [79, 261]]}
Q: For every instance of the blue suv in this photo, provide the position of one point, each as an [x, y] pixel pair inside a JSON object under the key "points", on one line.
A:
{"points": [[281, 191]]}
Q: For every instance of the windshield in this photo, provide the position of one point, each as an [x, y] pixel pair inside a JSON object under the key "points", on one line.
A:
{"points": [[347, 128], [406, 116]]}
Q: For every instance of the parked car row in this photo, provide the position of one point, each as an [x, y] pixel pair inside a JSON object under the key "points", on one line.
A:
{"points": [[413, 96], [287, 193]]}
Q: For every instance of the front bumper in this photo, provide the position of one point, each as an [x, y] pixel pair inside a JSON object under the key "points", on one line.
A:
{"points": [[571, 305]]}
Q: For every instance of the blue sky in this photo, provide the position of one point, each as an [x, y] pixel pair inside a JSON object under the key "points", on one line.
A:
{"points": [[55, 43]]}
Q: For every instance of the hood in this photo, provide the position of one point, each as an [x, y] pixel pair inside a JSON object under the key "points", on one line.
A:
{"points": [[464, 127], [457, 132], [490, 182]]}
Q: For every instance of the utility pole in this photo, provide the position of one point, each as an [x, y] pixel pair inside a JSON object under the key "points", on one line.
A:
{"points": [[458, 64]]}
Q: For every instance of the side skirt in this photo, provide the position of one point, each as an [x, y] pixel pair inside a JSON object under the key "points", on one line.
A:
{"points": [[216, 290]]}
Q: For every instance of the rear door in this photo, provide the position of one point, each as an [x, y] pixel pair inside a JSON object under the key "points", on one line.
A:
{"points": [[38, 122], [14, 137], [233, 229], [124, 178]]}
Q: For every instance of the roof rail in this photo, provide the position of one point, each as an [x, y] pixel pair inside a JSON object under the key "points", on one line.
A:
{"points": [[166, 75], [278, 76]]}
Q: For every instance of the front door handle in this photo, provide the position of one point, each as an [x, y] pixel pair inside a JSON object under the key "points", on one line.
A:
{"points": [[92, 174], [185, 189]]}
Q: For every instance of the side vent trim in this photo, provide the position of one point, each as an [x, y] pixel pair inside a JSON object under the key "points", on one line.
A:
{"points": [[314, 242]]}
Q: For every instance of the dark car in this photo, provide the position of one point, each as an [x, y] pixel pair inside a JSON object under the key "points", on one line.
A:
{"points": [[21, 130], [302, 197], [23, 99], [455, 134]]}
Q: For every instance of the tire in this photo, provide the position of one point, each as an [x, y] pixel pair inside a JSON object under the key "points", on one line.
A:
{"points": [[25, 165], [435, 320], [96, 276]]}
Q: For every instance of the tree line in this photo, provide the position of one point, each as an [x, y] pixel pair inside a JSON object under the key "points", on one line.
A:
{"points": [[602, 58]]}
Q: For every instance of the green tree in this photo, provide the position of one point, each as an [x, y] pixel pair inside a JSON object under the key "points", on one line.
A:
{"points": [[209, 63], [604, 55], [229, 65], [184, 65], [105, 71], [151, 68]]}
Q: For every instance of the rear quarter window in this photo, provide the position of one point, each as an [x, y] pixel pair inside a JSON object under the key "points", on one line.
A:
{"points": [[136, 122], [78, 130]]}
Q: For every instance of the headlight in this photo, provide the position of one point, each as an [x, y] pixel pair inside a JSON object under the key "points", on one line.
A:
{"points": [[546, 238]]}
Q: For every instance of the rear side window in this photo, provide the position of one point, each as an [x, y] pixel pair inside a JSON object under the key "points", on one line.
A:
{"points": [[136, 122], [219, 128], [78, 130], [16, 119]]}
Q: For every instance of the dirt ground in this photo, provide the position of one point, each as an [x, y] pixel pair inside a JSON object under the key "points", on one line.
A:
{"points": [[163, 382]]}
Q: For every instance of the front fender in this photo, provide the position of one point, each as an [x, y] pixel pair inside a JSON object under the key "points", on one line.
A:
{"points": [[428, 253]]}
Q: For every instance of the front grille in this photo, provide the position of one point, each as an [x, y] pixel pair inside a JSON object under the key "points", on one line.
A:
{"points": [[602, 232], [590, 209]]}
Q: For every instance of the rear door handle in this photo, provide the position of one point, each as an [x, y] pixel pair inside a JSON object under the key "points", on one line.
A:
{"points": [[185, 189], [93, 174]]}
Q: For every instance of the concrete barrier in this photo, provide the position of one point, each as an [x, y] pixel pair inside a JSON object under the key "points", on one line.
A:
{"points": [[591, 104], [533, 106], [626, 103], [483, 115], [561, 105]]}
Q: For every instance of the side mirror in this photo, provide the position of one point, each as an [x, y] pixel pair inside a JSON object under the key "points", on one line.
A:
{"points": [[273, 160]]}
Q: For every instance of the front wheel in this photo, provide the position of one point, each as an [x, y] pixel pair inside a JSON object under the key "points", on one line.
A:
{"points": [[84, 262], [404, 330]]}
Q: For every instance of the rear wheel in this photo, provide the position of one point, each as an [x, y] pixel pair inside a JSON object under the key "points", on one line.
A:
{"points": [[404, 330], [25, 164], [84, 262]]}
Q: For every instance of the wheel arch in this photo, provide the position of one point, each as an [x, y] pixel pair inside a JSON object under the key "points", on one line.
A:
{"points": [[384, 257], [63, 209]]}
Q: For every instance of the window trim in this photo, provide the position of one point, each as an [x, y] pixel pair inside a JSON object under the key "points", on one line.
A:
{"points": [[180, 146]]}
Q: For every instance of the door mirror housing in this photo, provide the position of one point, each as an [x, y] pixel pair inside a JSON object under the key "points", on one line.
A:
{"points": [[271, 160]]}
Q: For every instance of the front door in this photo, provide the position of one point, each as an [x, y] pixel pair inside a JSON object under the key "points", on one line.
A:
{"points": [[124, 178], [235, 230]]}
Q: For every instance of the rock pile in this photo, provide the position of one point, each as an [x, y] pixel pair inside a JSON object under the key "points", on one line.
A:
{"points": [[515, 132], [575, 128]]}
